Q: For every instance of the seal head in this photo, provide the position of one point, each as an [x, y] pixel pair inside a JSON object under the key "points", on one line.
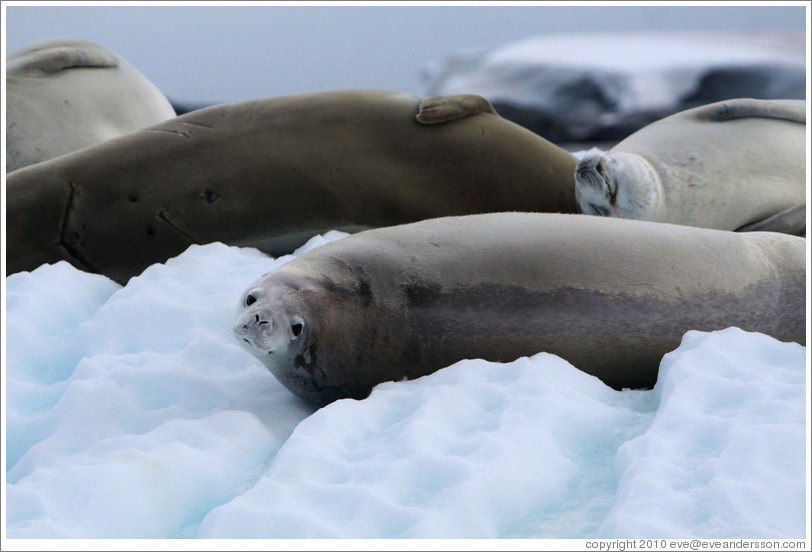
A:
{"points": [[619, 185], [733, 165], [278, 321], [271, 327]]}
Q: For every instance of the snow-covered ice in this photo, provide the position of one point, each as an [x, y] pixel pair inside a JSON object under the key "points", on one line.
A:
{"points": [[637, 70], [576, 87], [132, 413]]}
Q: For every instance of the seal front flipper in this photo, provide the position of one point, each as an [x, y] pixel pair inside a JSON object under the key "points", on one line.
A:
{"points": [[790, 221], [441, 109], [743, 108], [51, 60]]}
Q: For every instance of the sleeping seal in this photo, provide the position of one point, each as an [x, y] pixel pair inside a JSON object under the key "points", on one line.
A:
{"points": [[731, 165], [611, 296], [273, 173], [66, 94]]}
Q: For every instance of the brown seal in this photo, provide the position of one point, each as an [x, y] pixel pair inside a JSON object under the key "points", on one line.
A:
{"points": [[611, 296], [272, 173]]}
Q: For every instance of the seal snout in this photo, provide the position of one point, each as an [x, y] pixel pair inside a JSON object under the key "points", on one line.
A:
{"points": [[257, 322], [591, 172], [255, 326], [594, 187], [254, 329]]}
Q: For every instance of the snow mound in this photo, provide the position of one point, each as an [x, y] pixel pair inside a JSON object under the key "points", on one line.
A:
{"points": [[133, 413]]}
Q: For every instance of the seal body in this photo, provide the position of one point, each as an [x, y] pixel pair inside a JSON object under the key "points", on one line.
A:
{"points": [[728, 165], [610, 296], [67, 94], [271, 174]]}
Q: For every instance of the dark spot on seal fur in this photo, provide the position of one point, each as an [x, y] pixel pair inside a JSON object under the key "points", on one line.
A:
{"points": [[210, 195], [421, 295], [300, 361], [365, 293], [133, 198]]}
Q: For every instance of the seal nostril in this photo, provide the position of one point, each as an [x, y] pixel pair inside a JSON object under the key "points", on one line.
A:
{"points": [[246, 340]]}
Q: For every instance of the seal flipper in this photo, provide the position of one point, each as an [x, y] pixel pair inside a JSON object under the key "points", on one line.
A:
{"points": [[54, 59], [742, 108], [790, 221], [441, 109]]}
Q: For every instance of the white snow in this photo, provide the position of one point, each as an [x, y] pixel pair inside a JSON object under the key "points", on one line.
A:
{"points": [[637, 71], [613, 52], [132, 413]]}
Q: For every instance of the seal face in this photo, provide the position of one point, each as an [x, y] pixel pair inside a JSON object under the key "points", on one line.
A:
{"points": [[611, 296], [271, 328], [729, 165], [279, 325], [619, 185]]}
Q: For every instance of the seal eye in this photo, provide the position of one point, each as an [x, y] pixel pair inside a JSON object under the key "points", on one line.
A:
{"points": [[296, 329], [610, 184], [611, 188], [250, 300]]}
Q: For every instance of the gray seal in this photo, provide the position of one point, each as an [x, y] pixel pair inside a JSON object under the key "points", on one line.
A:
{"points": [[68, 93], [273, 173], [732, 165], [611, 296]]}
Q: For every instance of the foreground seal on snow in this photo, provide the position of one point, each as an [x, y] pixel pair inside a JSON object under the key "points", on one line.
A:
{"points": [[610, 296], [272, 173], [66, 94], [732, 165]]}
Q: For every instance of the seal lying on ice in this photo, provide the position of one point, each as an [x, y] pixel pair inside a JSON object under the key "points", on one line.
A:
{"points": [[68, 93], [732, 165], [272, 173], [611, 296]]}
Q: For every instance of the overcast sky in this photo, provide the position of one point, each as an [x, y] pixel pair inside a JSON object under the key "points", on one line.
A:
{"points": [[223, 53]]}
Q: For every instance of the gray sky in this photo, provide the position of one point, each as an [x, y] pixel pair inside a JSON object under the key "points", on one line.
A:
{"points": [[223, 53]]}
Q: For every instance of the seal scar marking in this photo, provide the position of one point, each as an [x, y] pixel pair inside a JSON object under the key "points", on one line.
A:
{"points": [[65, 243], [163, 216], [185, 133], [193, 123]]}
